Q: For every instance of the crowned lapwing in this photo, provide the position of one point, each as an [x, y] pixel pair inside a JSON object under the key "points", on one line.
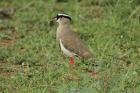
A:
{"points": [[70, 44]]}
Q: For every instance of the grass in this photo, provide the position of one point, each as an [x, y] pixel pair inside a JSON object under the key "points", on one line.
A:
{"points": [[31, 62]]}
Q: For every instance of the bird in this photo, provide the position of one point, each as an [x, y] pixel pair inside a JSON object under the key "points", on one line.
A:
{"points": [[70, 43]]}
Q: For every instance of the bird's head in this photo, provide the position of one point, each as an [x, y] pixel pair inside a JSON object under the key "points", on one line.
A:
{"points": [[62, 19]]}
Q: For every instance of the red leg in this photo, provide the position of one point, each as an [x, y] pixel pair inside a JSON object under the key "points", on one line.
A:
{"points": [[71, 61]]}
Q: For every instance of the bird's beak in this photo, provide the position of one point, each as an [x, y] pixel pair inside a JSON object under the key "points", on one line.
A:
{"points": [[53, 21]]}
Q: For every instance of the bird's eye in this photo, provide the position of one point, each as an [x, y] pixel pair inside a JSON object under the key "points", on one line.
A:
{"points": [[59, 17]]}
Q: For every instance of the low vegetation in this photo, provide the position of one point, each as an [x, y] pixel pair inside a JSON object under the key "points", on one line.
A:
{"points": [[31, 61]]}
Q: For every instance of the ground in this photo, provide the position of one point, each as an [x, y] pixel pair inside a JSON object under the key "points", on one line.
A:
{"points": [[31, 61]]}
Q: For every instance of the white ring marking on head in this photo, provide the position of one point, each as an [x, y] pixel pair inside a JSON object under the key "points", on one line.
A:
{"points": [[64, 15]]}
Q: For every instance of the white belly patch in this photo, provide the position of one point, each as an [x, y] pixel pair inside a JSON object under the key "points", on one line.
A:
{"points": [[65, 51]]}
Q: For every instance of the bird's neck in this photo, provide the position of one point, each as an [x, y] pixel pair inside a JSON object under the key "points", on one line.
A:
{"points": [[68, 26], [63, 29]]}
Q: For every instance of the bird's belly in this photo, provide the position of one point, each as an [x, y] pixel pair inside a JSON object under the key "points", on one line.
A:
{"points": [[66, 51]]}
